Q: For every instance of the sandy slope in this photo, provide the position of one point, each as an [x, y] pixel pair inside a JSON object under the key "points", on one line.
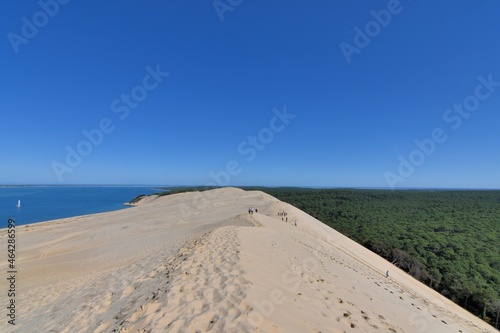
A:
{"points": [[198, 262]]}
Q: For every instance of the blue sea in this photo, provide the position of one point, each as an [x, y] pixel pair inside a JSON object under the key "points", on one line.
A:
{"points": [[43, 203]]}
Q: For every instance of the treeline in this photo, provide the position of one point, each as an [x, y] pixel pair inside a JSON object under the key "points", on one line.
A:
{"points": [[449, 240], [184, 189]]}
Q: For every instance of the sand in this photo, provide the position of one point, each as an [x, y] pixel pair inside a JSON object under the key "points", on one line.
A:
{"points": [[199, 262]]}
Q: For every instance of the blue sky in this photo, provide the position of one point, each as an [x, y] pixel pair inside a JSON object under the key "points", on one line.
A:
{"points": [[333, 93]]}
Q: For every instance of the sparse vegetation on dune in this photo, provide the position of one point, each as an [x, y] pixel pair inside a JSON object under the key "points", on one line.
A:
{"points": [[184, 189], [137, 199]]}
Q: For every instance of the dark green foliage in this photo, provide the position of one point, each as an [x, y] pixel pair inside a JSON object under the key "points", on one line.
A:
{"points": [[137, 199], [184, 189], [449, 240]]}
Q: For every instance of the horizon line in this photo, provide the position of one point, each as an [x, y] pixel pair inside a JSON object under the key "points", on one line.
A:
{"points": [[265, 186]]}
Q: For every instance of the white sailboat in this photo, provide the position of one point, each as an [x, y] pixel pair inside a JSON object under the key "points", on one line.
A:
{"points": [[18, 203]]}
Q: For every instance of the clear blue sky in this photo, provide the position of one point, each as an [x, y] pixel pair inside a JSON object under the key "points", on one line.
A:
{"points": [[358, 100]]}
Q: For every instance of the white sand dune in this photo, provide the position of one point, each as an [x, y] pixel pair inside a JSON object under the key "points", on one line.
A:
{"points": [[198, 262]]}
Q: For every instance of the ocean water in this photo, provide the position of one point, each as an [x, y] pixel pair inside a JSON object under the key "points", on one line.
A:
{"points": [[43, 203]]}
